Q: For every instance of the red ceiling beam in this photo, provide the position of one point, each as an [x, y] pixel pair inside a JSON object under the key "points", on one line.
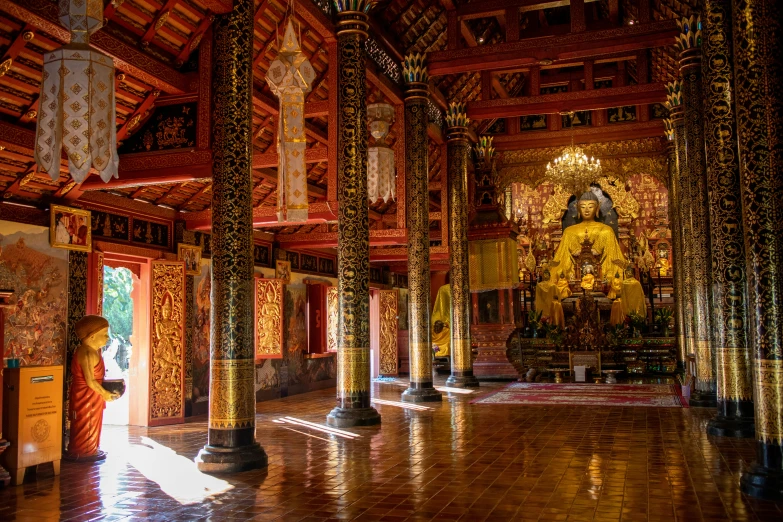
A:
{"points": [[151, 177], [220, 6], [491, 8], [43, 16], [566, 47], [613, 132], [568, 101]]}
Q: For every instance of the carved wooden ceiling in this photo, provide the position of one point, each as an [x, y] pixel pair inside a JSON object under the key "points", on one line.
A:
{"points": [[162, 50]]}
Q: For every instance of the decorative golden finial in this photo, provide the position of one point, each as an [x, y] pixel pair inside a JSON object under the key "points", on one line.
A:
{"points": [[674, 94], [456, 115], [484, 149], [668, 129], [414, 69], [690, 35]]}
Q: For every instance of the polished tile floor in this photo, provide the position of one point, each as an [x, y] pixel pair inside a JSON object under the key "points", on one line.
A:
{"points": [[452, 461]]}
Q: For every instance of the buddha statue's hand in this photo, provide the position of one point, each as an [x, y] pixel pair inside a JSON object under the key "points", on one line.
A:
{"points": [[110, 396]]}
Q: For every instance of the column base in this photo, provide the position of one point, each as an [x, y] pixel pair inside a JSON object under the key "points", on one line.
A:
{"points": [[762, 482], [703, 400], [415, 394], [213, 459], [462, 381], [739, 428], [349, 417]]}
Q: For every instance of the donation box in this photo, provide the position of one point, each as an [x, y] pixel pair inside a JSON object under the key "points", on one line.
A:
{"points": [[32, 418]]}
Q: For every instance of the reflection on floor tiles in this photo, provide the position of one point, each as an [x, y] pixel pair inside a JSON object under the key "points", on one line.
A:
{"points": [[454, 461]]}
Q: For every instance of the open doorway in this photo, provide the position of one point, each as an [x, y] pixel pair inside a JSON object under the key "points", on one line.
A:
{"points": [[118, 308]]}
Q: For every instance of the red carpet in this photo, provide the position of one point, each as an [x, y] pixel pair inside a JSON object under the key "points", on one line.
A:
{"points": [[586, 394]]}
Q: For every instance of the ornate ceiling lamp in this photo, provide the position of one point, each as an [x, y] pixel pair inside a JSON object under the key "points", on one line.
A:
{"points": [[573, 170], [381, 174], [290, 76], [77, 106]]}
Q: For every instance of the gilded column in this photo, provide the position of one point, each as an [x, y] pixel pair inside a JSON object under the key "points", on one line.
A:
{"points": [[689, 46], [231, 444], [683, 208], [353, 231], [729, 297], [458, 157], [674, 223], [420, 388], [758, 72]]}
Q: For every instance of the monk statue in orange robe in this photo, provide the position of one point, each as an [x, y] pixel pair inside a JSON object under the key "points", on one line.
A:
{"points": [[88, 397]]}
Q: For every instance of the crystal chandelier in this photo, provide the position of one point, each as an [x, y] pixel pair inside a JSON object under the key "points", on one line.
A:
{"points": [[573, 170]]}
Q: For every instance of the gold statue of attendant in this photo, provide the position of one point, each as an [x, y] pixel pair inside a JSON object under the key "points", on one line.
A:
{"points": [[602, 236]]}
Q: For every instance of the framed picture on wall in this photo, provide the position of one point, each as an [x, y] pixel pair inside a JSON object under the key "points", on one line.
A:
{"points": [[283, 271], [70, 228], [191, 255]]}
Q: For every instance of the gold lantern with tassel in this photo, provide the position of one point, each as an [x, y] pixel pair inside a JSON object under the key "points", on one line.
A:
{"points": [[381, 174], [290, 76], [77, 105]]}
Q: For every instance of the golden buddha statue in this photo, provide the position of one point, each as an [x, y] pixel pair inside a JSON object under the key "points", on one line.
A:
{"points": [[632, 294], [616, 286], [602, 236], [88, 397], [563, 288], [441, 321], [588, 279]]}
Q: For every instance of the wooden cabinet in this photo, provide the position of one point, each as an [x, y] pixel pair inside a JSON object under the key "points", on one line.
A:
{"points": [[32, 418]]}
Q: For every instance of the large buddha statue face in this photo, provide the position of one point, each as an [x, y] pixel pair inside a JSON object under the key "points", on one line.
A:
{"points": [[588, 209]]}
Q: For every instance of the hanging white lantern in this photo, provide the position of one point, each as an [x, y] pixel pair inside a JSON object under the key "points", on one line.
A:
{"points": [[77, 105], [381, 175], [290, 76]]}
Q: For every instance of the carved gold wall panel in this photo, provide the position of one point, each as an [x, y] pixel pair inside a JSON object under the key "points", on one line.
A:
{"points": [[167, 347], [269, 318], [388, 332], [332, 311]]}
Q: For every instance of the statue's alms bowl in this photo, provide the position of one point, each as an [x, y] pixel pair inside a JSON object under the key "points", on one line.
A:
{"points": [[115, 385]]}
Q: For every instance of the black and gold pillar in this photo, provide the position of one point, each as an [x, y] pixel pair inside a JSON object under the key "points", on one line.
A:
{"points": [[353, 231], [689, 46], [758, 84], [458, 157], [417, 204], [729, 296], [232, 442], [681, 200], [674, 223], [77, 308]]}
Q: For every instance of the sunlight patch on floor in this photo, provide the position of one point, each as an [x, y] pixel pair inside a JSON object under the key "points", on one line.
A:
{"points": [[177, 476], [319, 427], [406, 405]]}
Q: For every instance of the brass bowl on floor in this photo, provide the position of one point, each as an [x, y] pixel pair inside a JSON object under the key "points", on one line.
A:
{"points": [[115, 385]]}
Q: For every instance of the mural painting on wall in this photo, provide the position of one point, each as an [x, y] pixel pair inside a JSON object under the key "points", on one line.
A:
{"points": [[653, 199], [309, 263], [533, 122], [37, 274], [110, 226], [621, 114], [302, 370], [261, 255], [154, 234], [171, 127], [326, 266], [202, 287], [581, 119], [293, 258]]}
